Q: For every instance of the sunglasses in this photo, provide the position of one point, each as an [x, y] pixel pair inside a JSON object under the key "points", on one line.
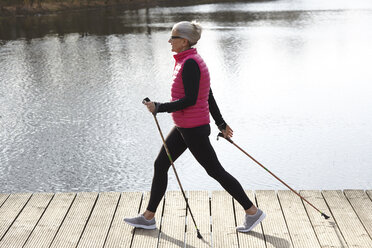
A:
{"points": [[176, 37]]}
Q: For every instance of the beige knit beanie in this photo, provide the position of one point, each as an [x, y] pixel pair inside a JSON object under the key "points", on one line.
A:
{"points": [[188, 30]]}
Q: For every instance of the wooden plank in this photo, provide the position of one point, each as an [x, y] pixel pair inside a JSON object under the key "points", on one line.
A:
{"points": [[75, 221], [120, 234], [10, 210], [199, 204], [274, 226], [351, 228], [3, 198], [253, 238], [369, 193], [223, 221], [51, 220], [22, 227], [148, 238], [362, 205], [299, 226], [327, 231], [173, 221], [97, 228]]}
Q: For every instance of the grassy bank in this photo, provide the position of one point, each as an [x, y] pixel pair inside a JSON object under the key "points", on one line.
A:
{"points": [[30, 7], [16, 7]]}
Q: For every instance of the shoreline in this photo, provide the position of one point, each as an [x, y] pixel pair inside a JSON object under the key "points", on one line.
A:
{"points": [[40, 7]]}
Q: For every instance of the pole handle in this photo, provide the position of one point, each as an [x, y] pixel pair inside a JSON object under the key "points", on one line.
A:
{"points": [[228, 139], [146, 100]]}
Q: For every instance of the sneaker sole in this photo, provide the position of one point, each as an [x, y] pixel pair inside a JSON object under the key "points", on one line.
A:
{"points": [[263, 215], [142, 226]]}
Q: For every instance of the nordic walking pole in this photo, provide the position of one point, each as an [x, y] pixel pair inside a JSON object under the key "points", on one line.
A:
{"points": [[174, 169], [232, 142]]}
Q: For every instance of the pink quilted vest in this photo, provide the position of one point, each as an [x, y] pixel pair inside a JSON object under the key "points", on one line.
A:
{"points": [[198, 114]]}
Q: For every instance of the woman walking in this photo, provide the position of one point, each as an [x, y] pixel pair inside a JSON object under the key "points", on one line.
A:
{"points": [[192, 101]]}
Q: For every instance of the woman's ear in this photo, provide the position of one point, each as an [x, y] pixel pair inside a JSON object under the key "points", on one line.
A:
{"points": [[186, 43]]}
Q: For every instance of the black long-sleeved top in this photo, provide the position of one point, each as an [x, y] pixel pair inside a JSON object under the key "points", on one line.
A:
{"points": [[191, 80]]}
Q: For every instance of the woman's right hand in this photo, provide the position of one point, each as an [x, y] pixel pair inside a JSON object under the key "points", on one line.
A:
{"points": [[228, 132]]}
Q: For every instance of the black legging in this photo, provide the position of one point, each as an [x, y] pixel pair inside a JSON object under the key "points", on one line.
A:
{"points": [[197, 140]]}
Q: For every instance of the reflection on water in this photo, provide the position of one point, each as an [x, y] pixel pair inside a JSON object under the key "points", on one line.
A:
{"points": [[291, 77]]}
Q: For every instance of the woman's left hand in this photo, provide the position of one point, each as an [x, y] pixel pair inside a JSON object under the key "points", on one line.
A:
{"points": [[228, 132], [150, 106]]}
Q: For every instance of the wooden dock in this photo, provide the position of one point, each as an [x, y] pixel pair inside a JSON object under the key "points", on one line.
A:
{"points": [[96, 220]]}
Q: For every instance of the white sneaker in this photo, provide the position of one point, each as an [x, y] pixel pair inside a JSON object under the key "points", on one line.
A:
{"points": [[251, 221], [141, 222]]}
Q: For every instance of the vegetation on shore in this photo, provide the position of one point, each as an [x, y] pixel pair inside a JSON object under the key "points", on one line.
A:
{"points": [[15, 7]]}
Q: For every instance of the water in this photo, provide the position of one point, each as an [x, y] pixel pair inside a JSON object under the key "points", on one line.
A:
{"points": [[292, 78]]}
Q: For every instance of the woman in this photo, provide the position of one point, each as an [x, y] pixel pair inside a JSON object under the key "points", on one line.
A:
{"points": [[192, 101]]}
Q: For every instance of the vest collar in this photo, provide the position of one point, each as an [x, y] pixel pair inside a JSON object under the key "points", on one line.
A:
{"points": [[182, 55]]}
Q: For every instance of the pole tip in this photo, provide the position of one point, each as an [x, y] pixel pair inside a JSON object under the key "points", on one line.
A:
{"points": [[325, 216], [199, 235]]}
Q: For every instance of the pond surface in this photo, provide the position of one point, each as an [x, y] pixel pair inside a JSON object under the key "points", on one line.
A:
{"points": [[292, 78]]}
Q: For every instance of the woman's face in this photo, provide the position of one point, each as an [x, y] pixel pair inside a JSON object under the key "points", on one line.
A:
{"points": [[178, 44]]}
